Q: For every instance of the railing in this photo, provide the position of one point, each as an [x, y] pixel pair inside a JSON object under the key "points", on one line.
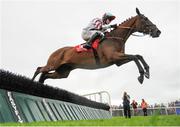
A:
{"points": [[99, 96], [150, 111]]}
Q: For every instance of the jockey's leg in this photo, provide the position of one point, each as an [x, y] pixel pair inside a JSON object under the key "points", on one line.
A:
{"points": [[92, 39]]}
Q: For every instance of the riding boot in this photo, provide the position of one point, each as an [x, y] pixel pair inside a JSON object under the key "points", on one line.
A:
{"points": [[101, 38], [88, 44]]}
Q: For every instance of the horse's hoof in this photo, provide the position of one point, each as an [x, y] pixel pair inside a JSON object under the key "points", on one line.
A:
{"points": [[41, 81], [147, 75], [141, 79]]}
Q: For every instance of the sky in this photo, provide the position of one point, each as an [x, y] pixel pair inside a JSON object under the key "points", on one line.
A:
{"points": [[32, 29]]}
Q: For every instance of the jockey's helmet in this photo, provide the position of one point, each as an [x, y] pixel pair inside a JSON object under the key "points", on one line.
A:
{"points": [[108, 16]]}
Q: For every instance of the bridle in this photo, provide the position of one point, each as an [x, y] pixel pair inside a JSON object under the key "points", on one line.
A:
{"points": [[130, 30], [125, 27]]}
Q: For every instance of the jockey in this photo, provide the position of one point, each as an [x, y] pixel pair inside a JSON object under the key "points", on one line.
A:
{"points": [[96, 28]]}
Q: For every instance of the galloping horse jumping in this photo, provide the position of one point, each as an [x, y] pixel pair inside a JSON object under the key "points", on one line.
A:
{"points": [[110, 51]]}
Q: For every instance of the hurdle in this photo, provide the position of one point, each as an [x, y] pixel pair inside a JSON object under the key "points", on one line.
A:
{"points": [[24, 100]]}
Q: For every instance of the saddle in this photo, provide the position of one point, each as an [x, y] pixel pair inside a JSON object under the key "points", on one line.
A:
{"points": [[80, 48]]}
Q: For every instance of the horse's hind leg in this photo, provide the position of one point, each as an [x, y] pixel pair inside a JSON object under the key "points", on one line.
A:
{"points": [[36, 73], [42, 77], [62, 72], [42, 70], [54, 75]]}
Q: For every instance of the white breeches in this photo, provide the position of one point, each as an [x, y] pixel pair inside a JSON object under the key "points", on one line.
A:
{"points": [[87, 34]]}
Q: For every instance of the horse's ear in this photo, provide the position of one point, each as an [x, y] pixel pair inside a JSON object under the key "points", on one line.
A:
{"points": [[137, 11]]}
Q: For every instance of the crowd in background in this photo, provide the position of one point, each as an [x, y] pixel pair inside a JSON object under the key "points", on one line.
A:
{"points": [[143, 108], [156, 105]]}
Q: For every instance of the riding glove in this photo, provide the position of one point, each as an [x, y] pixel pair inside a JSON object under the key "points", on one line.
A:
{"points": [[114, 26]]}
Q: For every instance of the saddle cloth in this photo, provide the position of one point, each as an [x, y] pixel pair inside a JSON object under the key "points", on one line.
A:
{"points": [[79, 48]]}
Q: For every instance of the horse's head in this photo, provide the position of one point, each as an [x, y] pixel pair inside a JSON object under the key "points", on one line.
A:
{"points": [[144, 25]]}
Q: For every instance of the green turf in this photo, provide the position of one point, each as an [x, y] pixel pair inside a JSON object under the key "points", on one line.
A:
{"points": [[171, 120]]}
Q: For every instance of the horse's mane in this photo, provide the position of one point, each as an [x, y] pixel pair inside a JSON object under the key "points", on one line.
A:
{"points": [[122, 23], [126, 20]]}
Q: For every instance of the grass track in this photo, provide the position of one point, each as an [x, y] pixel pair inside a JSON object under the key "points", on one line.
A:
{"points": [[171, 120]]}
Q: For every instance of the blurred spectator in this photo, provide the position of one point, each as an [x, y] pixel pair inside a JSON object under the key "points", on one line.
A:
{"points": [[134, 105], [120, 106], [126, 105], [114, 107], [144, 107]]}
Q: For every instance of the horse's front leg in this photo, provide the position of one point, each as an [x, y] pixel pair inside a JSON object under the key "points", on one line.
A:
{"points": [[124, 58], [146, 66]]}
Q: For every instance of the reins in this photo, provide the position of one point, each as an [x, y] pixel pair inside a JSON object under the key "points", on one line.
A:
{"points": [[124, 27], [118, 38]]}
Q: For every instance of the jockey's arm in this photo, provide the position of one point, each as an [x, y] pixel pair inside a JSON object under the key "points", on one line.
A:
{"points": [[98, 24], [105, 28]]}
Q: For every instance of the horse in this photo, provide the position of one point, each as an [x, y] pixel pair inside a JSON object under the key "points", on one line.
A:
{"points": [[110, 51]]}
